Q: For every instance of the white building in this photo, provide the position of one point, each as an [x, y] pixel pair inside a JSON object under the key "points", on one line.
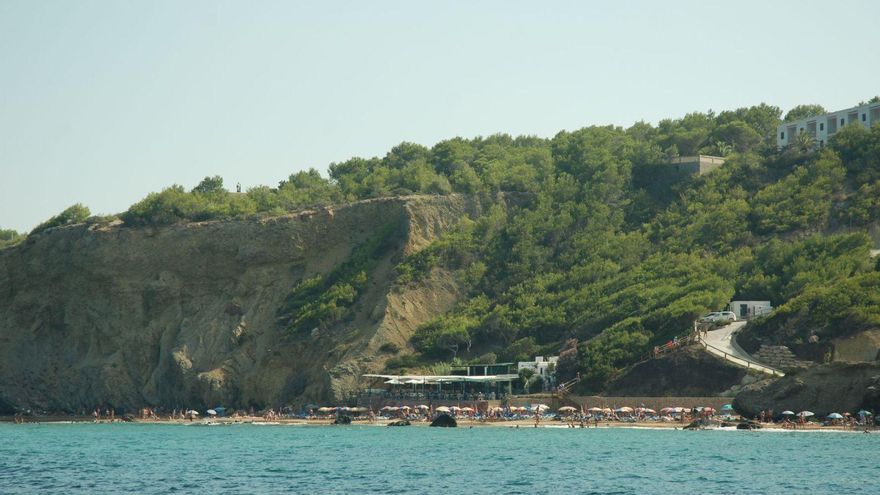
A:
{"points": [[749, 309], [822, 127], [540, 366]]}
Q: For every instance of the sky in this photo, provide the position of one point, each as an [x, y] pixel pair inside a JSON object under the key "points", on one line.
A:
{"points": [[102, 102]]}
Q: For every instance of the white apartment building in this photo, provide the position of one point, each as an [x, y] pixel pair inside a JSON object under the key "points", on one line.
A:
{"points": [[822, 127]]}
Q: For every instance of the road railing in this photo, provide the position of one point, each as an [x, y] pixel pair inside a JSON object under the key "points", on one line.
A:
{"points": [[744, 363]]}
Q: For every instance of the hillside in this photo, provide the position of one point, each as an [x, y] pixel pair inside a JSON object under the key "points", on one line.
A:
{"points": [[190, 315], [606, 252]]}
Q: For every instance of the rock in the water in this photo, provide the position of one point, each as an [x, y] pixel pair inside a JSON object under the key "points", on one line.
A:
{"points": [[445, 421], [402, 422], [342, 420], [748, 425]]}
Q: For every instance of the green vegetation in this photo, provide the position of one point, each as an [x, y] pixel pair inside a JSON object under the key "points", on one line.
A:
{"points": [[210, 201], [72, 215], [617, 255], [322, 300], [609, 252]]}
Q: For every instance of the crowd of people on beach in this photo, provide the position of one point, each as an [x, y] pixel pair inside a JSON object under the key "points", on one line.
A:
{"points": [[538, 413]]}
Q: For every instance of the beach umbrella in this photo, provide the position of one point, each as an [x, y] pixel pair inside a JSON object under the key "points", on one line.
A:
{"points": [[788, 413], [727, 407], [405, 408], [623, 410], [211, 412], [540, 407], [806, 414], [645, 410], [567, 409], [594, 409], [707, 409], [834, 416], [865, 413], [455, 408], [607, 410], [423, 407], [442, 409], [467, 409]]}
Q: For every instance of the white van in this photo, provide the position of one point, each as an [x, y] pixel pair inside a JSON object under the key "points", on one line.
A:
{"points": [[718, 317]]}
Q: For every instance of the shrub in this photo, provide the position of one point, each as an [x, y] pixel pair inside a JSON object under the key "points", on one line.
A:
{"points": [[77, 213]]}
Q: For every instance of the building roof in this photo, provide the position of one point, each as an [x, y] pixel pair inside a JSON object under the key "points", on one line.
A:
{"points": [[433, 379]]}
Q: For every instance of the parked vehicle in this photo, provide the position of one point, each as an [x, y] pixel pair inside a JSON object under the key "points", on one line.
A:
{"points": [[719, 317]]}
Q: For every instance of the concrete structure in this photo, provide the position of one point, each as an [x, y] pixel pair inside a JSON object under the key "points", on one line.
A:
{"points": [[721, 343], [484, 369], [749, 309], [822, 127], [695, 165]]}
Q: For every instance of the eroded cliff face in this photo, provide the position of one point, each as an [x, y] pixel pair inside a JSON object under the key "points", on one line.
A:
{"points": [[822, 389], [187, 315]]}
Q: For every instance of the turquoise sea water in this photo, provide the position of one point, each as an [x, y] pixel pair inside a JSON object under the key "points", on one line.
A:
{"points": [[144, 458]]}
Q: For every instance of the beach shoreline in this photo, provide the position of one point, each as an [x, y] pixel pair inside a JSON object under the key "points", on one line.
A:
{"points": [[462, 423]]}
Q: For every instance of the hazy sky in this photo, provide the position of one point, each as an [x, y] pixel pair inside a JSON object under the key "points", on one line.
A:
{"points": [[103, 102]]}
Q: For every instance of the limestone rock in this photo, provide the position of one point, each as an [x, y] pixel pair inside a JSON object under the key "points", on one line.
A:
{"points": [[187, 315]]}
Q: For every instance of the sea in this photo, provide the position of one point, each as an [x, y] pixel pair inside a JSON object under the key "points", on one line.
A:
{"points": [[258, 459]]}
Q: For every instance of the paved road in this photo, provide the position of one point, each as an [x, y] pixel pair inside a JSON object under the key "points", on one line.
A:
{"points": [[720, 343]]}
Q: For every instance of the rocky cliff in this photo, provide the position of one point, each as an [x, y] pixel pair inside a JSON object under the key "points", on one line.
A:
{"points": [[823, 389], [690, 372], [187, 315]]}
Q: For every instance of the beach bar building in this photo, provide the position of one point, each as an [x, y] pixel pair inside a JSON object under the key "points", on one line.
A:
{"points": [[471, 382]]}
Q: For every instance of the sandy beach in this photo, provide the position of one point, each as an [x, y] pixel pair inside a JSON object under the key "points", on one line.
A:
{"points": [[462, 423]]}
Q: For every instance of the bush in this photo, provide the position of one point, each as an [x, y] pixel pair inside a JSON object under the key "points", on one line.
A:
{"points": [[77, 213], [389, 348]]}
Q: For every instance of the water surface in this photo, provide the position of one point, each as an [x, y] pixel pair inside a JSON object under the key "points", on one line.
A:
{"points": [[164, 458]]}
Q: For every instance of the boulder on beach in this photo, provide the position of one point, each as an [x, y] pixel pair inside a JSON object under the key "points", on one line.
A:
{"points": [[444, 421], [401, 422]]}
